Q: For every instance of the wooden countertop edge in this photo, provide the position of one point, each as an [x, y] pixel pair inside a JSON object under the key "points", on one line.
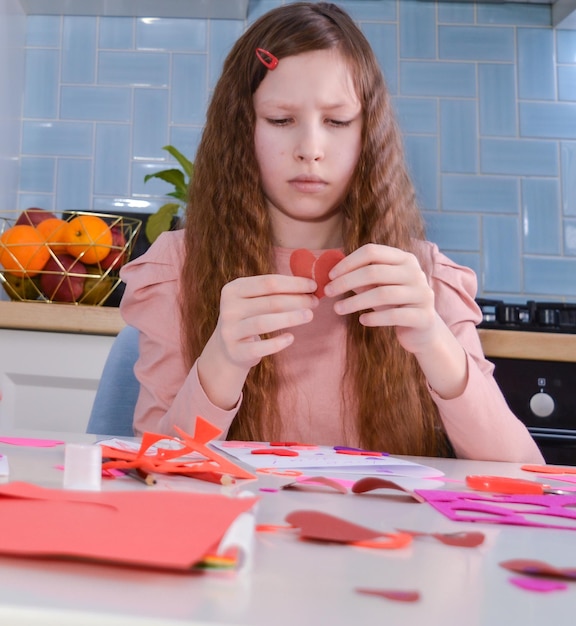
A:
{"points": [[67, 318], [517, 344], [100, 320]]}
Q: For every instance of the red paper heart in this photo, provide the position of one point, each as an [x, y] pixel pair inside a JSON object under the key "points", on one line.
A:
{"points": [[304, 263], [532, 567], [370, 483], [325, 527], [391, 594]]}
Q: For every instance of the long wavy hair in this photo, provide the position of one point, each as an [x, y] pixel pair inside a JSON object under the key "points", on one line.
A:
{"points": [[228, 232]]}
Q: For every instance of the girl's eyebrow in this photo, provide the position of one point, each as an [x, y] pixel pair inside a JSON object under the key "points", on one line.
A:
{"points": [[282, 105]]}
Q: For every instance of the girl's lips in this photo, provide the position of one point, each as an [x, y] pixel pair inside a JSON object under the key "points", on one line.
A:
{"points": [[308, 184]]}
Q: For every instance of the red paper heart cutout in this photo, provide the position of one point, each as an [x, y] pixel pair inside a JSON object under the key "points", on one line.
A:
{"points": [[304, 263], [391, 594], [370, 483], [325, 527], [462, 539], [532, 567]]}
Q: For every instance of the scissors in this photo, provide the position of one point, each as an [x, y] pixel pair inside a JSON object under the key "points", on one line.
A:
{"points": [[518, 486]]}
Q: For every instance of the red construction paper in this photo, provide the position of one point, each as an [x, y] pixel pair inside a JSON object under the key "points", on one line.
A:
{"points": [[305, 263], [552, 511], [157, 529]]}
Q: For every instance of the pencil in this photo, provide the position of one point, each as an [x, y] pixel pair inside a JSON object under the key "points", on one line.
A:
{"points": [[141, 476], [215, 477]]}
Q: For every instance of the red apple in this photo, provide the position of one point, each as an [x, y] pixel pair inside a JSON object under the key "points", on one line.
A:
{"points": [[62, 279], [33, 216], [116, 257]]}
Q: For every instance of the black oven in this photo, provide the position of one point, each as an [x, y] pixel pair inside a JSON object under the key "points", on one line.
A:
{"points": [[540, 393]]}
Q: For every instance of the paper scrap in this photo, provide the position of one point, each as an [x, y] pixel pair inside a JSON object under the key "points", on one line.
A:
{"points": [[31, 442]]}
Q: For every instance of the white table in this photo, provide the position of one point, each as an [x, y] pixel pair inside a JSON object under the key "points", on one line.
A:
{"points": [[297, 583]]}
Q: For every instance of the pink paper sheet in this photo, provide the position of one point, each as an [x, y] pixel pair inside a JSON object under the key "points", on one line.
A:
{"points": [[543, 511], [157, 529]]}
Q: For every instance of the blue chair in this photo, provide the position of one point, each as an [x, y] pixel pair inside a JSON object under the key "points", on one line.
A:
{"points": [[113, 409]]}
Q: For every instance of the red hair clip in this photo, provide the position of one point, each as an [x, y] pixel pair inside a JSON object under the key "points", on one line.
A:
{"points": [[266, 58]]}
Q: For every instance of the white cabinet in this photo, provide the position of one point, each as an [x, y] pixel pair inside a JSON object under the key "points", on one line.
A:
{"points": [[48, 380]]}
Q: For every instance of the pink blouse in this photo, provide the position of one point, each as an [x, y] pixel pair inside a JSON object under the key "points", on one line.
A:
{"points": [[479, 423]]}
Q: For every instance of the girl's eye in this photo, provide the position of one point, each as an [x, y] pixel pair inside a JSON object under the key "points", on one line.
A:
{"points": [[279, 121], [339, 123]]}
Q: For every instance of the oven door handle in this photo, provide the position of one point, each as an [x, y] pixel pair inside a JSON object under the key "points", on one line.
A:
{"points": [[553, 434]]}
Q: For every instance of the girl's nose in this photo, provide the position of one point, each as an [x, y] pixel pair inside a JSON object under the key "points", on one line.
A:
{"points": [[309, 146]]}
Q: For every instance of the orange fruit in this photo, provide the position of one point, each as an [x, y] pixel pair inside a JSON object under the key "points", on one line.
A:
{"points": [[23, 251], [54, 231], [89, 238]]}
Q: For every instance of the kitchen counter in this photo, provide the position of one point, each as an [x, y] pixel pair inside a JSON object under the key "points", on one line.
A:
{"points": [[67, 318], [101, 320]]}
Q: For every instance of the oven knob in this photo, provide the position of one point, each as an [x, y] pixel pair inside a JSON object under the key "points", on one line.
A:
{"points": [[541, 404]]}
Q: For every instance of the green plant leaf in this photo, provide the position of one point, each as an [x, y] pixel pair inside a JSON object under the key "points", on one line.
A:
{"points": [[179, 195], [173, 176], [161, 221], [187, 165]]}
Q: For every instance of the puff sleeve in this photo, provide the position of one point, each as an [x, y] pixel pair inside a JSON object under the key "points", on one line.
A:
{"points": [[479, 422], [169, 393]]}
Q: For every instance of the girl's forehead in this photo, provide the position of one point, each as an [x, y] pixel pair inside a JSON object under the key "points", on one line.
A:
{"points": [[323, 72]]}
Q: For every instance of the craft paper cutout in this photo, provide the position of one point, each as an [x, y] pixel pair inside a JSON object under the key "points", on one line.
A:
{"points": [[314, 481], [372, 483], [391, 594], [31, 443], [461, 539], [326, 459], [532, 567], [535, 584], [179, 459], [305, 263], [274, 451], [501, 509], [321, 526], [159, 529], [549, 469]]}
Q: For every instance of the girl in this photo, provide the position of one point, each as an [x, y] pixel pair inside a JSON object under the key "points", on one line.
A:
{"points": [[300, 150]]}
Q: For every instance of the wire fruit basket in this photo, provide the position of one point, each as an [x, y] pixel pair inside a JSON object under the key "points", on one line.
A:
{"points": [[73, 258]]}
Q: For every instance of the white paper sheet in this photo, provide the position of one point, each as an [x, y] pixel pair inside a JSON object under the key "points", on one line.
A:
{"points": [[324, 458]]}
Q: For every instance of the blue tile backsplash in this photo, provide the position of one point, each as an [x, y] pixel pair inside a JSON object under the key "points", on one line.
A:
{"points": [[485, 95]]}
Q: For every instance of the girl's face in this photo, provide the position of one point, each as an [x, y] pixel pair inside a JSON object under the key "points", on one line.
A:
{"points": [[308, 140]]}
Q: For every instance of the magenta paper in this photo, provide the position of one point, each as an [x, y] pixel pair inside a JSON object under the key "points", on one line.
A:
{"points": [[547, 511]]}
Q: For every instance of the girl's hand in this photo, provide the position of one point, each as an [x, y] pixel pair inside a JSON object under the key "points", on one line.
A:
{"points": [[260, 305], [251, 307], [391, 287]]}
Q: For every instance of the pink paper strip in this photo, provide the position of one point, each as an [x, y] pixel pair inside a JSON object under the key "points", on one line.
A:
{"points": [[537, 584], [31, 443]]}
